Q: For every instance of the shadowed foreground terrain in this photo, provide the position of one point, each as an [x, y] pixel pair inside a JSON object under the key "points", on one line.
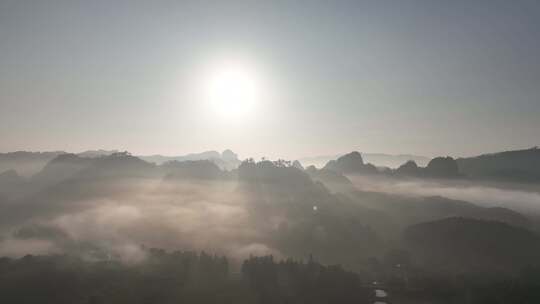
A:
{"points": [[188, 277], [175, 277]]}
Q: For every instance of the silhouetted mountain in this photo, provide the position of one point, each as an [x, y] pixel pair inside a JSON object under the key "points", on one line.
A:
{"points": [[439, 167], [61, 168], [96, 153], [402, 211], [26, 163], [442, 167], [11, 184], [335, 181], [519, 165], [351, 163], [438, 207], [410, 168], [297, 165], [160, 159], [393, 161], [70, 177], [30, 163], [273, 174], [310, 218], [192, 170], [121, 164], [227, 160], [469, 245], [377, 159], [229, 155]]}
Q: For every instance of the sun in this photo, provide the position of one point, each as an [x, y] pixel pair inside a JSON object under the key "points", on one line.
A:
{"points": [[233, 91]]}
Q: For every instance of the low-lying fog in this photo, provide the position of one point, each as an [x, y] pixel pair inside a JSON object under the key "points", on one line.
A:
{"points": [[209, 216], [516, 197]]}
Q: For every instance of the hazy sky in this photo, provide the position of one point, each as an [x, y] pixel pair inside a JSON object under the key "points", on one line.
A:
{"points": [[426, 77]]}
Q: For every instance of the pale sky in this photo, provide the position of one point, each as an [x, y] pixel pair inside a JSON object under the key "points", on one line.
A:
{"points": [[406, 76]]}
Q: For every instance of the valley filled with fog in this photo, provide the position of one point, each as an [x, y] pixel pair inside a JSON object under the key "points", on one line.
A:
{"points": [[116, 204], [383, 224]]}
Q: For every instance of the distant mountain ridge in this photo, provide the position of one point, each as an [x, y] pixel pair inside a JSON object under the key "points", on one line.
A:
{"points": [[227, 160], [516, 165], [377, 159], [511, 166], [521, 165], [27, 163], [351, 163]]}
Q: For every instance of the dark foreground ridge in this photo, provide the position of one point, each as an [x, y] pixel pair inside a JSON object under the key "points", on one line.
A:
{"points": [[189, 277], [175, 277]]}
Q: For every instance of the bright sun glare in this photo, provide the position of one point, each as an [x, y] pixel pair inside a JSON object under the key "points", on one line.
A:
{"points": [[233, 91]]}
